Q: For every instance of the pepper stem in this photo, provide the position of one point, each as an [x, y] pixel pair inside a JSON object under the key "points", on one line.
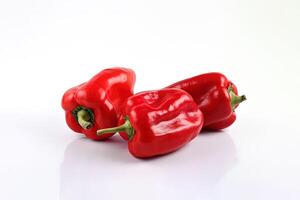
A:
{"points": [[126, 127], [83, 119], [235, 99]]}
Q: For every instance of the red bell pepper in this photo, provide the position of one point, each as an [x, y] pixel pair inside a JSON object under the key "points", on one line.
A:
{"points": [[97, 103], [158, 122], [216, 97]]}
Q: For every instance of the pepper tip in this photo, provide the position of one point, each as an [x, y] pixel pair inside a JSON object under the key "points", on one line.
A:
{"points": [[243, 98]]}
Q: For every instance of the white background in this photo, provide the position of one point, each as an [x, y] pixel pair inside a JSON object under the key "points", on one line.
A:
{"points": [[48, 46]]}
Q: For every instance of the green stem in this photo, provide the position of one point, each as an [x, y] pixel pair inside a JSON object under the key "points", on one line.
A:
{"points": [[126, 127], [235, 99], [83, 119]]}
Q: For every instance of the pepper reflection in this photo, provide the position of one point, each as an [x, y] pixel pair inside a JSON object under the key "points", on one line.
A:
{"points": [[106, 170]]}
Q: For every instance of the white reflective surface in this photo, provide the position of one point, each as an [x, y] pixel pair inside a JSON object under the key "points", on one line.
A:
{"points": [[89, 167]]}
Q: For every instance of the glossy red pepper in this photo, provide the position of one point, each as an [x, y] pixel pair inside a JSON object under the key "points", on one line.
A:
{"points": [[96, 104], [216, 96], [158, 122]]}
